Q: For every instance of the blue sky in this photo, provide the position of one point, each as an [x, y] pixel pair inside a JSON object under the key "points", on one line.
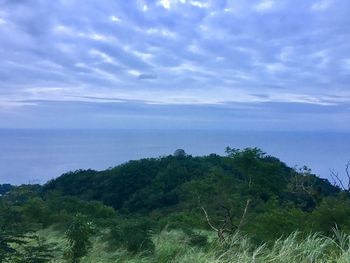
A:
{"points": [[211, 64]]}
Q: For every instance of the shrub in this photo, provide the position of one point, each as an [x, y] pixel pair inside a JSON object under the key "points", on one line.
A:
{"points": [[78, 235], [133, 235]]}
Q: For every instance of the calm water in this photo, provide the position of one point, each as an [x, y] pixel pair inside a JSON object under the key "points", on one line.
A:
{"points": [[29, 156]]}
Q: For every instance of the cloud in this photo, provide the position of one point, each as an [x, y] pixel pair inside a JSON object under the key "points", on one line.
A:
{"points": [[105, 58], [160, 31], [346, 64], [115, 19], [264, 5], [165, 3], [175, 52], [199, 4], [2, 21], [286, 53], [147, 76], [321, 5], [10, 105]]}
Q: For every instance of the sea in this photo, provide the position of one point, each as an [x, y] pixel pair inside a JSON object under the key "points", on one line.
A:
{"points": [[30, 156]]}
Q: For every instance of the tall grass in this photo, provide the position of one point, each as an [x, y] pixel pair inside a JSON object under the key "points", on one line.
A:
{"points": [[175, 246]]}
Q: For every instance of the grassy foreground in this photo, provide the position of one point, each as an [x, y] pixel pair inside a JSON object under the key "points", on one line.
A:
{"points": [[174, 246]]}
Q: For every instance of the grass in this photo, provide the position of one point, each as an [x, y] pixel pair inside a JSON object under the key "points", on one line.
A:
{"points": [[174, 246]]}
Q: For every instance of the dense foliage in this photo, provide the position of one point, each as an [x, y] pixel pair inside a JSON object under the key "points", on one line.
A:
{"points": [[246, 191], [5, 188], [78, 234]]}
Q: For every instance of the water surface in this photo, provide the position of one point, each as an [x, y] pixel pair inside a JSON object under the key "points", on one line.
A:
{"points": [[29, 156]]}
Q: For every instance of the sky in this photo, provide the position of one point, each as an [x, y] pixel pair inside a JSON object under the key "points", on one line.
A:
{"points": [[188, 64]]}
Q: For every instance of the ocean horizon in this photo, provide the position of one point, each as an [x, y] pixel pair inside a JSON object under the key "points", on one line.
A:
{"points": [[38, 155]]}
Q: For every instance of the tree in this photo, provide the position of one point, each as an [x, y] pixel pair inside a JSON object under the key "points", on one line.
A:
{"points": [[246, 161], [24, 248], [7, 239], [37, 252], [78, 235], [228, 227]]}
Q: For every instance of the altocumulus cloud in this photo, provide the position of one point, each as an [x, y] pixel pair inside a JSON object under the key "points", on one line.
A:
{"points": [[238, 62]]}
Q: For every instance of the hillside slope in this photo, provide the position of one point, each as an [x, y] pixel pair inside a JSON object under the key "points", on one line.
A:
{"points": [[175, 189]]}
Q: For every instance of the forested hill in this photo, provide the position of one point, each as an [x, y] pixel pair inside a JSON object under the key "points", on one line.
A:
{"points": [[246, 191], [181, 181], [256, 191]]}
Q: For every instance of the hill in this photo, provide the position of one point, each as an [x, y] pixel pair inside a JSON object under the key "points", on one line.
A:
{"points": [[173, 187], [247, 192]]}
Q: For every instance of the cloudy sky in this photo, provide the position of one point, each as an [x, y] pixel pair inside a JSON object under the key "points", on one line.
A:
{"points": [[228, 64]]}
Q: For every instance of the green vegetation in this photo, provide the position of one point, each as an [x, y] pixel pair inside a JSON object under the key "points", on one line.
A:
{"points": [[5, 188], [78, 235], [243, 207]]}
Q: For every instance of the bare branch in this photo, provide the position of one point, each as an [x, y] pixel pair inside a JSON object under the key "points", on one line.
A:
{"points": [[340, 182], [227, 226], [208, 220], [301, 187], [244, 214], [347, 174], [334, 183], [228, 218], [306, 190]]}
